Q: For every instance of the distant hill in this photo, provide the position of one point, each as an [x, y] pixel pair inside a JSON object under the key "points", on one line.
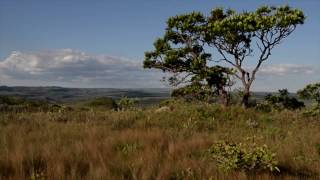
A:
{"points": [[55, 94], [65, 95]]}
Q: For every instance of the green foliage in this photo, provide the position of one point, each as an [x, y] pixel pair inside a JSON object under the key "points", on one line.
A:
{"points": [[264, 18], [11, 100], [181, 52], [264, 107], [126, 103], [194, 91], [233, 35], [242, 156], [236, 34], [19, 104], [311, 91], [314, 110], [282, 100], [241, 28]]}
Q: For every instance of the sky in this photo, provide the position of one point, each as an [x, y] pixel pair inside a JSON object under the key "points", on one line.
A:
{"points": [[101, 43]]}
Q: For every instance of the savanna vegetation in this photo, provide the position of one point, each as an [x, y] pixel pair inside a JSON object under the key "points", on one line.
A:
{"points": [[203, 132], [173, 140]]}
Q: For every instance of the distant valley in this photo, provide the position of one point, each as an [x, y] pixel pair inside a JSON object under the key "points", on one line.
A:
{"points": [[69, 95]]}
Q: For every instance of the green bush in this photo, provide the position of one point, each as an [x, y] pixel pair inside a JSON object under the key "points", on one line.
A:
{"points": [[311, 91], [11, 100], [242, 156], [264, 107], [313, 111], [19, 104], [126, 103], [282, 100]]}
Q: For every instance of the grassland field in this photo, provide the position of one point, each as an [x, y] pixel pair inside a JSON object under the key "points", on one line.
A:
{"points": [[168, 142]]}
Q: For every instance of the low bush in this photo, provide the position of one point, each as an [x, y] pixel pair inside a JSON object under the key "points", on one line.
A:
{"points": [[313, 111], [126, 103], [264, 107], [280, 101], [231, 156]]}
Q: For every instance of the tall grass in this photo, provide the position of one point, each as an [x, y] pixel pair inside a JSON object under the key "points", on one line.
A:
{"points": [[151, 144]]}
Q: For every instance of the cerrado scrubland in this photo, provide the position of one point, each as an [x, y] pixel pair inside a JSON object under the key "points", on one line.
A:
{"points": [[203, 132]]}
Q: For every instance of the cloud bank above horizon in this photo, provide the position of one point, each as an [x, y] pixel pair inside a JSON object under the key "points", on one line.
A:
{"points": [[72, 68]]}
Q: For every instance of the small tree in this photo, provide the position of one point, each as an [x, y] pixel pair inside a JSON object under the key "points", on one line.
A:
{"points": [[311, 91], [181, 52], [236, 35]]}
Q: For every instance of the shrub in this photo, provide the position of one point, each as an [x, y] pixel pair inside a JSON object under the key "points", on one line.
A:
{"points": [[19, 104], [313, 111], [241, 156], [282, 100], [11, 100], [311, 91], [126, 103], [264, 107]]}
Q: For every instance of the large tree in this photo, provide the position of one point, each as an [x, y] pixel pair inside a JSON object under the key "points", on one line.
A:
{"points": [[236, 36], [181, 52]]}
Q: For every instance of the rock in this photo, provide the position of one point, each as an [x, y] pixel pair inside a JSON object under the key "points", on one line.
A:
{"points": [[162, 109]]}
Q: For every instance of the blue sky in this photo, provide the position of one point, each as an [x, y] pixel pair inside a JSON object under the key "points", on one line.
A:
{"points": [[126, 29]]}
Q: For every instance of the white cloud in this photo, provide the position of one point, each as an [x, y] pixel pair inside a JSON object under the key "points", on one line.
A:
{"points": [[287, 69], [75, 68], [272, 77]]}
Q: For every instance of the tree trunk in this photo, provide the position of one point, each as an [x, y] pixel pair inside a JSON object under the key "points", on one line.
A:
{"points": [[245, 98], [224, 97]]}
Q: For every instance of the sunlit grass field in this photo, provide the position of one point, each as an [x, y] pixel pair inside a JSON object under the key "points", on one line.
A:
{"points": [[171, 142]]}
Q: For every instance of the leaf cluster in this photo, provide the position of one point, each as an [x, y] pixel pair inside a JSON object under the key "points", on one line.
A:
{"points": [[180, 50], [233, 33]]}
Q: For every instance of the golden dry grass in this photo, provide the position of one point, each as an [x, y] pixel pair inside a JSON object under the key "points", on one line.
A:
{"points": [[143, 144]]}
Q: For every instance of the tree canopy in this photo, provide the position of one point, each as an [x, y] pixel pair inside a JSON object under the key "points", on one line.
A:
{"points": [[237, 35], [181, 52]]}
